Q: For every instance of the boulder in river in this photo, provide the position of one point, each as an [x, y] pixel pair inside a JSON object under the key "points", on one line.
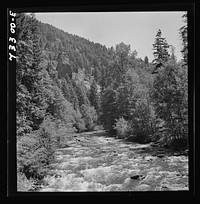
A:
{"points": [[160, 155], [138, 177]]}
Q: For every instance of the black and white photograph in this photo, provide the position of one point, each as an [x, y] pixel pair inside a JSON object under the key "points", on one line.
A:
{"points": [[101, 100]]}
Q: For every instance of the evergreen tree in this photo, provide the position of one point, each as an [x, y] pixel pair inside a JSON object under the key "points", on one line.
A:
{"points": [[160, 53], [170, 102], [29, 75], [89, 116], [31, 105], [66, 89], [184, 35], [96, 74], [146, 60], [108, 109], [106, 77], [94, 96], [172, 54], [121, 61], [69, 92], [81, 94]]}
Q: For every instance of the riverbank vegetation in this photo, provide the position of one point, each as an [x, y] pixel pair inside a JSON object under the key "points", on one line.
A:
{"points": [[66, 84]]}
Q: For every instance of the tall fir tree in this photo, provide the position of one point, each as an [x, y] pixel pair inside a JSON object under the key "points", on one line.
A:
{"points": [[29, 76], [160, 53], [108, 109], [184, 35]]}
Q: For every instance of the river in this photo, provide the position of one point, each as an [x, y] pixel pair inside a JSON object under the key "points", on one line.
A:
{"points": [[95, 162]]}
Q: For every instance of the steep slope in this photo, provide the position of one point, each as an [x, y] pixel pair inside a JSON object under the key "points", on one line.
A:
{"points": [[77, 52]]}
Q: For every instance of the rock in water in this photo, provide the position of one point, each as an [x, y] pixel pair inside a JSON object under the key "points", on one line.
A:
{"points": [[137, 177], [160, 155]]}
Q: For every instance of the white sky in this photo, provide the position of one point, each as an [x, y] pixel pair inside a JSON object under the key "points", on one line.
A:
{"points": [[110, 28]]}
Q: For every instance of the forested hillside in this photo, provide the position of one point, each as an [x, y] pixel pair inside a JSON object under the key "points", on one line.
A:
{"points": [[67, 84]]}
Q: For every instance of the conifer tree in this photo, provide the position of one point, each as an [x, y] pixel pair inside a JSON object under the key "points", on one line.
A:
{"points": [[184, 35], [66, 89], [33, 152], [69, 92], [169, 96], [121, 61], [89, 116], [146, 60], [160, 53], [94, 96], [172, 53], [81, 94], [29, 75], [108, 109]]}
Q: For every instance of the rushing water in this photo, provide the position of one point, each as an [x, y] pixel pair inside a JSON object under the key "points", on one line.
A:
{"points": [[96, 162]]}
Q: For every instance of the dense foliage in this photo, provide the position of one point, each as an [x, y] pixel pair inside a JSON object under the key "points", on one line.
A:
{"points": [[67, 84], [147, 101], [53, 101], [169, 94]]}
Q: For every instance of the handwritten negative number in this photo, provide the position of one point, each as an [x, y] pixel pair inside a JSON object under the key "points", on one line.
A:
{"points": [[12, 26], [12, 14], [12, 40], [11, 48]]}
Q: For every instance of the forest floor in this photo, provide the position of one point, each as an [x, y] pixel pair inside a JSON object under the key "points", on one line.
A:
{"points": [[95, 162]]}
